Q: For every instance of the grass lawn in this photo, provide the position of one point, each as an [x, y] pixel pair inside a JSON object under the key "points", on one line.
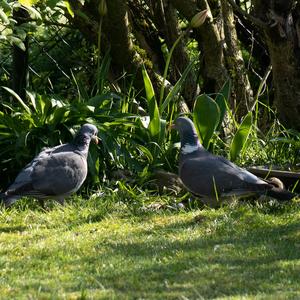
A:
{"points": [[102, 250]]}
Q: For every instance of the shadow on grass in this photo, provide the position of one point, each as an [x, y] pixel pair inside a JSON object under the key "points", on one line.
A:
{"points": [[263, 260], [167, 256], [13, 229]]}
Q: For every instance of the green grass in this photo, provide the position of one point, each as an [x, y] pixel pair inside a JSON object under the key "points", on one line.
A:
{"points": [[101, 249]]}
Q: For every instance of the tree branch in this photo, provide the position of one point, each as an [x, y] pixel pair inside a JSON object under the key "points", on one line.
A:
{"points": [[256, 21]]}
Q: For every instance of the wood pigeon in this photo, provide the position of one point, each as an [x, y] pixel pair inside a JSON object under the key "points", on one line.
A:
{"points": [[55, 172], [213, 177]]}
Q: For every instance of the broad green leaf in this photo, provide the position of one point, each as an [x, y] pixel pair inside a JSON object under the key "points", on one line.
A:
{"points": [[16, 41], [40, 103], [28, 2], [99, 100], [32, 99], [150, 94], [52, 3], [154, 125], [69, 8], [221, 99], [47, 105], [146, 151], [177, 86], [144, 173], [7, 7], [240, 138], [206, 116], [21, 33], [13, 93], [34, 14], [58, 115], [103, 71], [4, 17]]}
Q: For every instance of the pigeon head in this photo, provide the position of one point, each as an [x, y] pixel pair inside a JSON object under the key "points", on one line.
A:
{"points": [[86, 134], [188, 135]]}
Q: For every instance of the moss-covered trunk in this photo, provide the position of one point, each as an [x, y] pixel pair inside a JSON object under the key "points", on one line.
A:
{"points": [[242, 96], [282, 35], [212, 69], [286, 79]]}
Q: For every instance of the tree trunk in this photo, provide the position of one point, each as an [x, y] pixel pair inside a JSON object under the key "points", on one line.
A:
{"points": [[282, 35], [135, 40], [242, 96], [115, 35], [165, 18], [285, 59], [20, 59], [213, 69]]}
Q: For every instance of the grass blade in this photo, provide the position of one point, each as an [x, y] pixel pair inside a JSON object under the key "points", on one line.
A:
{"points": [[177, 86], [14, 94]]}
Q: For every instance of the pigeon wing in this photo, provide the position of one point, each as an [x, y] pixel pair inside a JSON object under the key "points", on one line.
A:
{"points": [[54, 171], [60, 174], [211, 175], [24, 177]]}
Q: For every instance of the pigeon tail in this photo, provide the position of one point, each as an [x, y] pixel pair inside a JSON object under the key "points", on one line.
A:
{"points": [[280, 194]]}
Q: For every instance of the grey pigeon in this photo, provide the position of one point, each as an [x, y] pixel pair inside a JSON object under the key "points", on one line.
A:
{"points": [[55, 172], [213, 177]]}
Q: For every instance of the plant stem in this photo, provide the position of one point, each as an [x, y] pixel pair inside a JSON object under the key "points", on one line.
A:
{"points": [[99, 53], [162, 89]]}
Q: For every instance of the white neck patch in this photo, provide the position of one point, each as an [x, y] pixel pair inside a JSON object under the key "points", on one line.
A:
{"points": [[188, 148]]}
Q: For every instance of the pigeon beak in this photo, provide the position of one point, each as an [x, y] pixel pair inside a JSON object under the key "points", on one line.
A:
{"points": [[171, 126], [95, 139]]}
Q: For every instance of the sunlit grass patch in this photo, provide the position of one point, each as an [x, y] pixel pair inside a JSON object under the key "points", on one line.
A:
{"points": [[97, 250]]}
